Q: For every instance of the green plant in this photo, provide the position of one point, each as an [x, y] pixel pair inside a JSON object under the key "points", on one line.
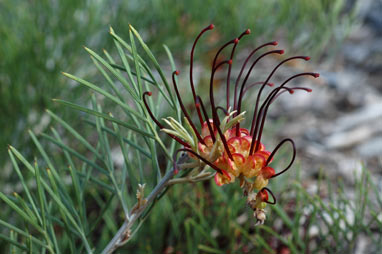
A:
{"points": [[91, 169], [41, 38], [79, 197], [62, 209], [334, 218]]}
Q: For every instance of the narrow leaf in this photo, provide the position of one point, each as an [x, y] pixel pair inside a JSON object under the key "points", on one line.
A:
{"points": [[105, 116]]}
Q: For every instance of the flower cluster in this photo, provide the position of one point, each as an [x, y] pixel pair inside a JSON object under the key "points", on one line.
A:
{"points": [[234, 152]]}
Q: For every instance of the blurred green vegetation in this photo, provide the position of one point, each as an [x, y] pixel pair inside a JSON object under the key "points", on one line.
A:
{"points": [[205, 218], [41, 38]]}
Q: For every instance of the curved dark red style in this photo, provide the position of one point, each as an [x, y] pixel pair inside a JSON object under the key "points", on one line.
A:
{"points": [[236, 152]]}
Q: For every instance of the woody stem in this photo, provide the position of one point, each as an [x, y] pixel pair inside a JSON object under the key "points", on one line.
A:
{"points": [[119, 238]]}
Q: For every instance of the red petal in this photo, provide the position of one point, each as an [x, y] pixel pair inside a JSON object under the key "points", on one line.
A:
{"points": [[265, 154], [259, 160], [244, 132], [262, 195], [238, 158], [268, 172], [218, 183]]}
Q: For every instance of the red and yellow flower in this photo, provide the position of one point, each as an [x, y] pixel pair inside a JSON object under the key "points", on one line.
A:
{"points": [[232, 151]]}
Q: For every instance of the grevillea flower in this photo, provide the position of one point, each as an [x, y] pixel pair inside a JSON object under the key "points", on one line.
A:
{"points": [[220, 142]]}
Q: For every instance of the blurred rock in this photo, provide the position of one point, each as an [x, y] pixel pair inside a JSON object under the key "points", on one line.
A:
{"points": [[341, 81], [362, 243], [347, 139], [371, 148], [117, 157], [365, 116], [373, 16], [338, 127]]}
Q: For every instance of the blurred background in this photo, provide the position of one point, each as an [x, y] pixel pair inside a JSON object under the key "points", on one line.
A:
{"points": [[337, 128]]}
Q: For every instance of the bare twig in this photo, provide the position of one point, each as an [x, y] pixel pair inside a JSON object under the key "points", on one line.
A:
{"points": [[202, 176]]}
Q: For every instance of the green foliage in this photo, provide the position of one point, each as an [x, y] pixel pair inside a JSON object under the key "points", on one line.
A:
{"points": [[83, 194], [205, 218], [36, 45], [42, 38], [73, 197]]}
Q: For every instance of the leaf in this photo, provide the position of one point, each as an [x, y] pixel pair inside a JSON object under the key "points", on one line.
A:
{"points": [[106, 94], [50, 165], [126, 140], [23, 233], [19, 211], [135, 74], [115, 73], [72, 131], [143, 63], [208, 249], [13, 241], [105, 116], [283, 216], [75, 153], [75, 180], [136, 62], [65, 211], [155, 62], [41, 195], [107, 155], [127, 67], [25, 187]]}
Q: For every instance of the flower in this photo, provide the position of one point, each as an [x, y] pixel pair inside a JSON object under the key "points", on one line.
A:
{"points": [[234, 152]]}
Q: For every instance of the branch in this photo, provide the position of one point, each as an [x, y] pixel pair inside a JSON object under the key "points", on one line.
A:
{"points": [[123, 233], [202, 176]]}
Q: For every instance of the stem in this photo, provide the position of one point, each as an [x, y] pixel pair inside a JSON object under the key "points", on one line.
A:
{"points": [[200, 177], [119, 238]]}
